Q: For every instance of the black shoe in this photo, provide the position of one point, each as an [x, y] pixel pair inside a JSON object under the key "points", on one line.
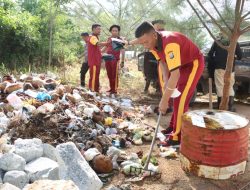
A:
{"points": [[169, 142], [167, 131]]}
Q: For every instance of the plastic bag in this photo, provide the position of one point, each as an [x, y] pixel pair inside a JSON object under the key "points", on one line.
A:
{"points": [[15, 101]]}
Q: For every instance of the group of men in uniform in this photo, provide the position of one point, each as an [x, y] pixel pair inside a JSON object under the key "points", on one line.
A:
{"points": [[93, 56], [179, 61]]}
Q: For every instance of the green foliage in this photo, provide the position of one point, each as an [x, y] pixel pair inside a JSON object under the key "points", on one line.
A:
{"points": [[24, 28]]}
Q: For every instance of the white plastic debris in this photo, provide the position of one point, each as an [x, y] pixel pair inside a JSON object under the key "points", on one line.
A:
{"points": [[4, 122], [15, 101], [160, 136], [132, 169], [46, 108], [91, 153], [108, 109], [89, 111], [168, 152], [152, 170], [31, 93], [110, 131], [70, 114], [77, 96]]}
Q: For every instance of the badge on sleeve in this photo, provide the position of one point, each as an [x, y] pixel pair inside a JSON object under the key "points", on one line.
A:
{"points": [[171, 55]]}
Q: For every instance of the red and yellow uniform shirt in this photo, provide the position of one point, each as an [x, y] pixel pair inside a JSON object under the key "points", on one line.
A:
{"points": [[110, 50], [175, 49], [94, 52]]}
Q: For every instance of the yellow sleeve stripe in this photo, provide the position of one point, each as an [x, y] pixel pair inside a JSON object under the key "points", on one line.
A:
{"points": [[155, 54], [93, 40], [173, 56]]}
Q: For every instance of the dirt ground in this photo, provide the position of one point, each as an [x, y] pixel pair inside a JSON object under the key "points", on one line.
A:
{"points": [[173, 177]]}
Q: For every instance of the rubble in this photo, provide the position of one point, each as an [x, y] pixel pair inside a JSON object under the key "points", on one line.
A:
{"points": [[37, 109], [29, 149], [8, 186], [51, 184], [11, 161], [72, 166], [17, 178], [42, 168], [49, 151]]}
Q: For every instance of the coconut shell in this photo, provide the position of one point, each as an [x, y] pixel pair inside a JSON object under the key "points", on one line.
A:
{"points": [[71, 98], [98, 146], [8, 78], [97, 117], [27, 86], [68, 89], [55, 96], [37, 83], [13, 87], [102, 164], [3, 86], [60, 90]]}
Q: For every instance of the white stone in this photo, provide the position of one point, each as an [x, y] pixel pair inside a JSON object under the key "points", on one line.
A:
{"points": [[49, 185], [11, 161], [29, 149], [42, 168], [1, 176], [72, 166], [8, 186], [17, 178], [49, 151]]}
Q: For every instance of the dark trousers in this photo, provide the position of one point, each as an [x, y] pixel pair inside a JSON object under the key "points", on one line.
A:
{"points": [[84, 70]]}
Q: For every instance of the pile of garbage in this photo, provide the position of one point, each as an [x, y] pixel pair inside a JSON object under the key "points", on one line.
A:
{"points": [[38, 109], [38, 106]]}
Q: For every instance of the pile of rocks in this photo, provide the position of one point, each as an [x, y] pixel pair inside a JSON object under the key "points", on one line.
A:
{"points": [[29, 160]]}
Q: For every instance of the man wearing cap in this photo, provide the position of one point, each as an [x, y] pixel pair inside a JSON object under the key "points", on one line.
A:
{"points": [[182, 64], [85, 66], [112, 66], [95, 57]]}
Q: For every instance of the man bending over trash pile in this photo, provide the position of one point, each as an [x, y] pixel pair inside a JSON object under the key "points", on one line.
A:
{"points": [[182, 64]]}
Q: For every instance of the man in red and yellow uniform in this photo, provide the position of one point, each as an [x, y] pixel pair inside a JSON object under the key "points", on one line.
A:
{"points": [[112, 66], [95, 57], [182, 64]]}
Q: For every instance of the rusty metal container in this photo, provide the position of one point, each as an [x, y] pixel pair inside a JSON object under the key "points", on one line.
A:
{"points": [[214, 144]]}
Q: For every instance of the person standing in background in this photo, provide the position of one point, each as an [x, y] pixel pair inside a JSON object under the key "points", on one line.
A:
{"points": [[217, 61], [112, 66], [95, 57], [85, 66]]}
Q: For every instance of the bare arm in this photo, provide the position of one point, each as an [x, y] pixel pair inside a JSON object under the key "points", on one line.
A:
{"points": [[165, 73], [122, 57], [104, 49], [171, 85], [132, 42], [101, 44]]}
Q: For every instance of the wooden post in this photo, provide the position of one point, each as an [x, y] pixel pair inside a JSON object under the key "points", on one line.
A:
{"points": [[210, 85]]}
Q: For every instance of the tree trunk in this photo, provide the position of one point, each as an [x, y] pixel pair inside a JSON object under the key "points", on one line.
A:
{"points": [[50, 35], [229, 68]]}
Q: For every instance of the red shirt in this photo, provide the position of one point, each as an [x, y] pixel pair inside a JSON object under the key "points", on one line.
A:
{"points": [[94, 52], [175, 49], [110, 50]]}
